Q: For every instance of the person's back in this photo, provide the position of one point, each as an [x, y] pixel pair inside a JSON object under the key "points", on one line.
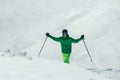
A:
{"points": [[66, 44]]}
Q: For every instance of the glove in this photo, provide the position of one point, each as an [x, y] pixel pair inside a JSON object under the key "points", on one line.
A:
{"points": [[82, 36], [47, 34]]}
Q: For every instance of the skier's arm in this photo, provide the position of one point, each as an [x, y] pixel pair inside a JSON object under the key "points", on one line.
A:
{"points": [[78, 40], [53, 38]]}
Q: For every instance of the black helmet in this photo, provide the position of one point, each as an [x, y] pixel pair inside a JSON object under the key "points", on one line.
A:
{"points": [[65, 31]]}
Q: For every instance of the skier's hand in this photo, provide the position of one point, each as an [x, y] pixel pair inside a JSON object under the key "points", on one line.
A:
{"points": [[82, 36], [47, 34]]}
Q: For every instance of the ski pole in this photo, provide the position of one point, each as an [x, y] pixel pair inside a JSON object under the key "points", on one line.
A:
{"points": [[42, 46], [87, 50]]}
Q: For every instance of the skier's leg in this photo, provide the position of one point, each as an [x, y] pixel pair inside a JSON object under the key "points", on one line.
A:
{"points": [[66, 58]]}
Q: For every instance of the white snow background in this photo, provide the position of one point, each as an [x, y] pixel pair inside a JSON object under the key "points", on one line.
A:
{"points": [[23, 24]]}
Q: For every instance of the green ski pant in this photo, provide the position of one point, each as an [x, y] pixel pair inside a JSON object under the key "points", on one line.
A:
{"points": [[66, 58]]}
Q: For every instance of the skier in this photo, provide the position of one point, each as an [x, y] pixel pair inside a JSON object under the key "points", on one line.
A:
{"points": [[66, 44]]}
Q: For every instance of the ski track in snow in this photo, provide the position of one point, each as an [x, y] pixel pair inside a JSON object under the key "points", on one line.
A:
{"points": [[110, 73]]}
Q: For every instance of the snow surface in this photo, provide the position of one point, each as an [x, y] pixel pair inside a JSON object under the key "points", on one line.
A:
{"points": [[20, 68], [23, 24]]}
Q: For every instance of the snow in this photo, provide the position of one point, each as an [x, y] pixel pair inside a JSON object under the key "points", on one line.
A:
{"points": [[21, 68], [23, 24], [111, 73]]}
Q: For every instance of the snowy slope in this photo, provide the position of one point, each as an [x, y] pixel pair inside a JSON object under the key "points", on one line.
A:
{"points": [[17, 68], [23, 24]]}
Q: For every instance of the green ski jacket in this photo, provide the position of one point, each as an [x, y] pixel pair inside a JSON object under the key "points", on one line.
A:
{"points": [[66, 43]]}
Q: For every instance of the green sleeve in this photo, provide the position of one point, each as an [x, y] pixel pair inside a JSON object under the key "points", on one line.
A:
{"points": [[76, 40], [54, 38]]}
